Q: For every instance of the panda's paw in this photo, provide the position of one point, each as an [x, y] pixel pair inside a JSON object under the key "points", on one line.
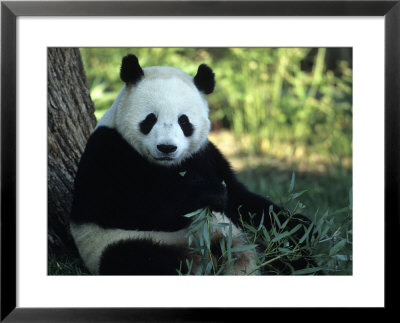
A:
{"points": [[215, 203], [216, 198]]}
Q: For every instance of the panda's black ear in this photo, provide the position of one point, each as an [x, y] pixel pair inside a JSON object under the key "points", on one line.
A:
{"points": [[204, 79], [131, 72]]}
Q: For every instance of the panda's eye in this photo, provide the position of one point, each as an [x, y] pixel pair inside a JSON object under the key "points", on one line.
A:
{"points": [[147, 124], [183, 119], [185, 124]]}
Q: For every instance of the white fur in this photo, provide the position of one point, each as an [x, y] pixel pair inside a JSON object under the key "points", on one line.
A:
{"points": [[168, 93], [92, 240]]}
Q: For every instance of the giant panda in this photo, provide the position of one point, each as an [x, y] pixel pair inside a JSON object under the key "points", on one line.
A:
{"points": [[130, 198]]}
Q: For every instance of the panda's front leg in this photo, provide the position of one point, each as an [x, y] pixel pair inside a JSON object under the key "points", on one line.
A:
{"points": [[202, 193], [241, 202], [245, 205]]}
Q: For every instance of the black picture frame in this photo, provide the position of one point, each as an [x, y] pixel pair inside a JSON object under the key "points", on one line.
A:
{"points": [[10, 10]]}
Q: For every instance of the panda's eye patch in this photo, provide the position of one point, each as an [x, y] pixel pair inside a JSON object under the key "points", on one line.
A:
{"points": [[185, 124], [147, 124]]}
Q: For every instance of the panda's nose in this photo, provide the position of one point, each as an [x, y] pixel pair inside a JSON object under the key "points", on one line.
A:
{"points": [[166, 149]]}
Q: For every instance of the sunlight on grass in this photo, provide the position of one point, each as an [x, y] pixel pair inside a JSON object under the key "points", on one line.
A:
{"points": [[280, 155]]}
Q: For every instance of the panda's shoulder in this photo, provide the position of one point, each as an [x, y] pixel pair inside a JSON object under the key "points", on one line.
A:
{"points": [[106, 145], [104, 136], [211, 157], [212, 153]]}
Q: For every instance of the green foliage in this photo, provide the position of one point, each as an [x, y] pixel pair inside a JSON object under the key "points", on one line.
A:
{"points": [[322, 246], [329, 238], [273, 99], [266, 96], [201, 237]]}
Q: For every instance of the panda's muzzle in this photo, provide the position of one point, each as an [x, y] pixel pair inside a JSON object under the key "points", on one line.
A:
{"points": [[166, 149]]}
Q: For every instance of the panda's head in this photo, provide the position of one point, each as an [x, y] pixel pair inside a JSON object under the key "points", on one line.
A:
{"points": [[161, 111]]}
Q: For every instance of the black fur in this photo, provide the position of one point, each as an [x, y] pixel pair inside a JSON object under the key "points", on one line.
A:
{"points": [[148, 123], [115, 187], [131, 72], [142, 257], [185, 125], [204, 79]]}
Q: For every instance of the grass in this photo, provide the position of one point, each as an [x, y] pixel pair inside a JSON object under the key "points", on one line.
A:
{"points": [[66, 265]]}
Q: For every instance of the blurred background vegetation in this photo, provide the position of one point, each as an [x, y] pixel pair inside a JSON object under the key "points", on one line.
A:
{"points": [[274, 111]]}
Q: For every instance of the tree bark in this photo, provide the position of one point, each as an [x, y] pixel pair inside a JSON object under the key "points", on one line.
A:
{"points": [[70, 122]]}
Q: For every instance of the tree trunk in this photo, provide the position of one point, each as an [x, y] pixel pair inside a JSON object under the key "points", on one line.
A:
{"points": [[70, 122]]}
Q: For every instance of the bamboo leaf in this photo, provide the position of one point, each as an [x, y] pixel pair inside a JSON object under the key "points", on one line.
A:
{"points": [[275, 217], [250, 228], [304, 237], [193, 229], [223, 232], [191, 214], [243, 248], [281, 236], [291, 187], [190, 240], [285, 223], [222, 245], [220, 270], [219, 224], [267, 237], [261, 222], [298, 194], [295, 229], [189, 264], [208, 268], [206, 236], [229, 243], [334, 250], [285, 250], [307, 271]]}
